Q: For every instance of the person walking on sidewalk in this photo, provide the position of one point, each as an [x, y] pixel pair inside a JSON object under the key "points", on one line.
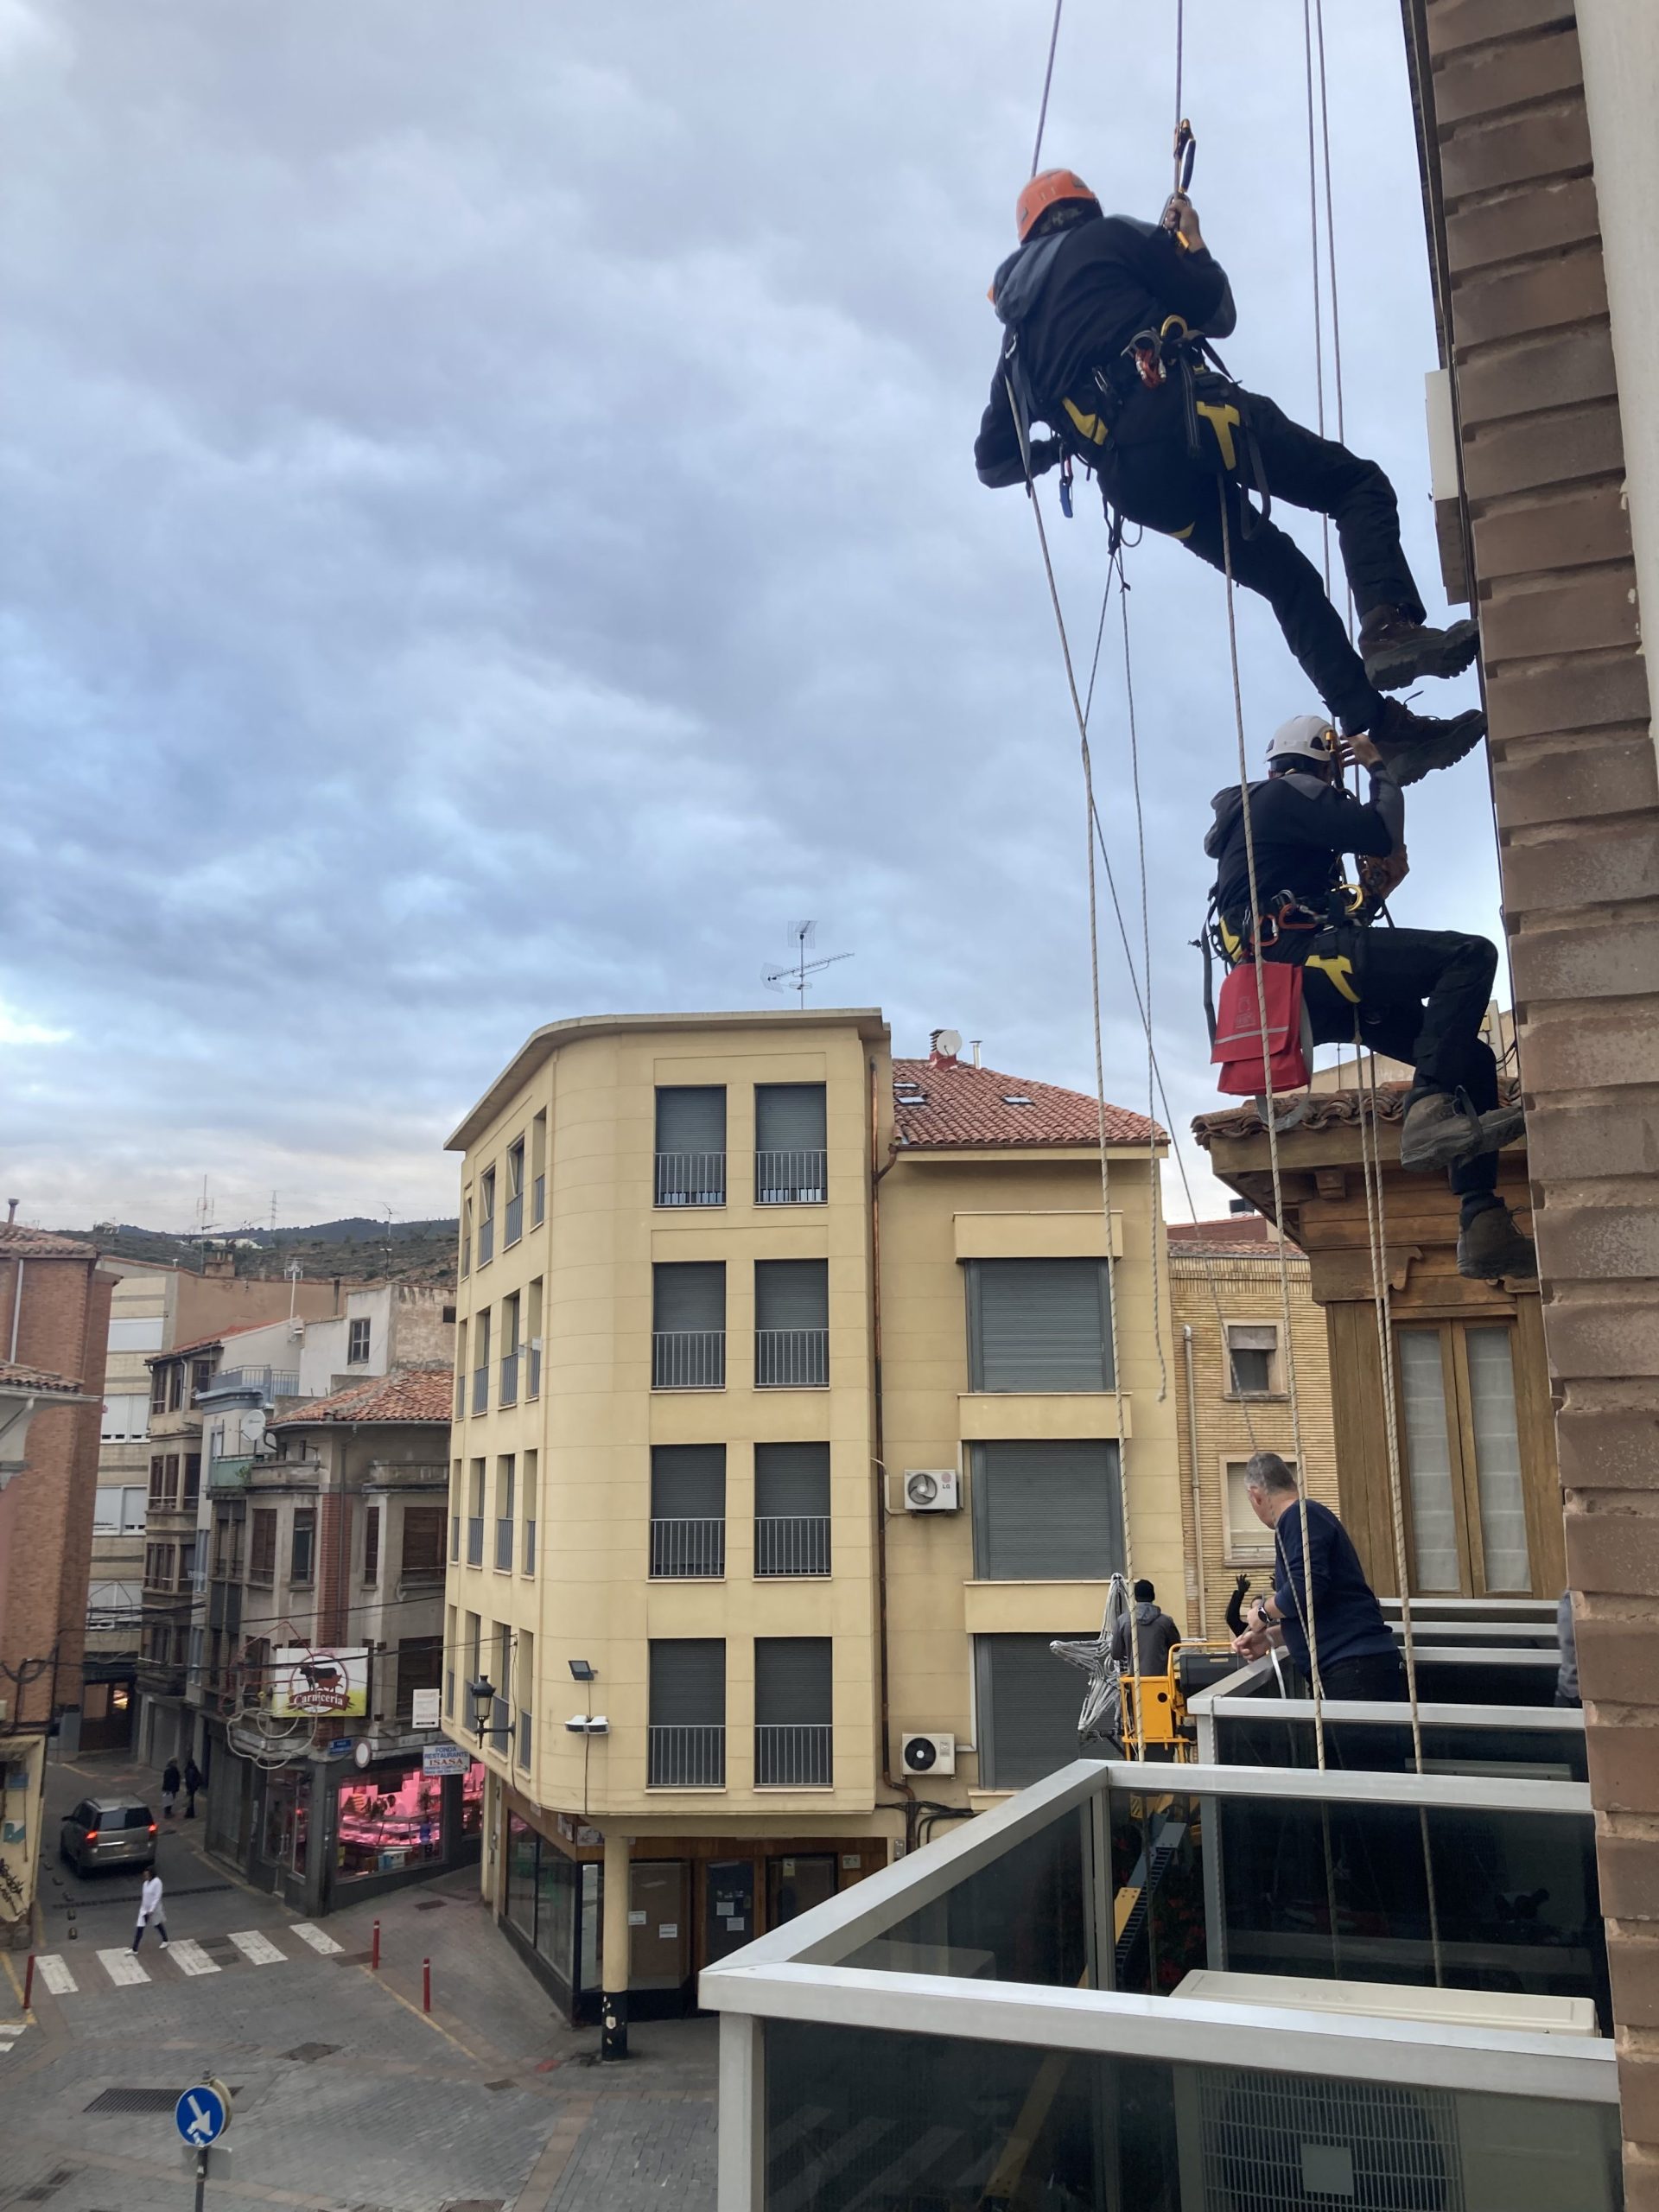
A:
{"points": [[192, 1783], [149, 1910], [170, 1787]]}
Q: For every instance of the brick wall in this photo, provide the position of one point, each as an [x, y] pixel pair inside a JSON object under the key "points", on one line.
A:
{"points": [[1513, 219]]}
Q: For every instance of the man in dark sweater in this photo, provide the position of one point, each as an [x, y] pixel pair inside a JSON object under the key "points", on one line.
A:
{"points": [[1143, 1645], [1358, 1657], [1082, 291]]}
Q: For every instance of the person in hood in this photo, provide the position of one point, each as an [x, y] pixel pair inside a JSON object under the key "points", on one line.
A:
{"points": [[1416, 995], [1079, 289], [1144, 1648]]}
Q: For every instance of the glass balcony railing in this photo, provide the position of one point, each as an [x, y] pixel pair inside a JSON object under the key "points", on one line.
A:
{"points": [[230, 1474], [792, 1359], [688, 1359], [687, 1550], [792, 1543], [690, 1178], [682, 1756]]}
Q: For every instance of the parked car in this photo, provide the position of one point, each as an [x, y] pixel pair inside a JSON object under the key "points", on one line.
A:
{"points": [[108, 1832]]}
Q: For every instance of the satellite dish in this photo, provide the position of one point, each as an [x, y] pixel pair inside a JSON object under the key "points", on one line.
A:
{"points": [[253, 1428], [950, 1043]]}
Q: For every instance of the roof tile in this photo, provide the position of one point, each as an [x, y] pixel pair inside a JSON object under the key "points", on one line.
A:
{"points": [[407, 1394], [960, 1108], [18, 1242], [16, 1377]]}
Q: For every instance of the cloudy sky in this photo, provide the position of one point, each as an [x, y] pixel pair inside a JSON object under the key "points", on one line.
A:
{"points": [[492, 535]]}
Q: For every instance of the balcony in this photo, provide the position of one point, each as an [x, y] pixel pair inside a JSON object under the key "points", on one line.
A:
{"points": [[794, 1756], [790, 1178], [688, 1359], [686, 1757], [792, 1359], [690, 1178], [475, 1541], [687, 1550], [509, 1395], [503, 1545], [487, 1240], [792, 1543], [269, 1381], [515, 1228], [480, 1389], [229, 1474]]}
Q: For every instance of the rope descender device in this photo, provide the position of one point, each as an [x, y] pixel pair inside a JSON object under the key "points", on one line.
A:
{"points": [[1185, 151]]}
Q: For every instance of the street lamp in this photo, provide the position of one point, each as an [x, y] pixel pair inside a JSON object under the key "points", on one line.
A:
{"points": [[482, 1693]]}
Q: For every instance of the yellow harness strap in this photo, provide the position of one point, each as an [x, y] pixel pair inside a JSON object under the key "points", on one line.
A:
{"points": [[1338, 970], [1087, 426], [1223, 421]]}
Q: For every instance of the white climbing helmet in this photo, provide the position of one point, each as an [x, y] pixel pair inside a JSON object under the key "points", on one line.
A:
{"points": [[1304, 737]]}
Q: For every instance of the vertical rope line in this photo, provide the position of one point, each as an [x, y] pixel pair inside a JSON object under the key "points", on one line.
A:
{"points": [[1180, 58], [1048, 78], [1313, 259], [1305, 1607], [1330, 270], [1146, 970]]}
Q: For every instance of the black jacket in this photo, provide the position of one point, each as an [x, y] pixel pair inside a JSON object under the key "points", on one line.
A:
{"points": [[1072, 301], [1153, 1638], [1302, 828]]}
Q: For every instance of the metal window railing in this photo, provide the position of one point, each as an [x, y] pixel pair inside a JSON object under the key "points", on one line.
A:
{"points": [[686, 1755], [475, 1541], [525, 1733], [504, 1545], [538, 1202], [460, 1397], [480, 1389], [688, 1359], [269, 1381], [455, 1537], [509, 1392], [465, 1255], [798, 1755], [690, 1178], [792, 1359], [533, 1371], [790, 1178], [528, 1567], [688, 1549], [792, 1543], [487, 1240], [515, 1228]]}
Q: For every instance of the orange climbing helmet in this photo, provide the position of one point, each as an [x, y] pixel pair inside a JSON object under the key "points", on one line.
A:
{"points": [[1046, 189]]}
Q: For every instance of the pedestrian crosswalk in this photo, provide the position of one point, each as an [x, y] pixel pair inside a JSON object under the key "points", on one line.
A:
{"points": [[126, 1969], [258, 1950], [9, 2031]]}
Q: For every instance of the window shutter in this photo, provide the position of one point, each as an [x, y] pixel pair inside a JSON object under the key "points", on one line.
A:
{"points": [[792, 1681], [1046, 1512], [688, 1682], [789, 1117], [691, 1120], [791, 1294], [1498, 1478], [791, 1479], [1039, 1324], [423, 1540], [688, 1482], [689, 1295], [1029, 1702], [1428, 1461]]}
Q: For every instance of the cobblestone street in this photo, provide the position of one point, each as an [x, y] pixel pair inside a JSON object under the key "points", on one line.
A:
{"points": [[348, 2099]]}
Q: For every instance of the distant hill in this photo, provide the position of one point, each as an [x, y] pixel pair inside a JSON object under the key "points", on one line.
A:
{"points": [[359, 1247]]}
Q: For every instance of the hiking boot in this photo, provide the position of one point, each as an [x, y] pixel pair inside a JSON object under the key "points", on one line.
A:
{"points": [[1413, 746], [1440, 1129], [1398, 651], [1492, 1248]]}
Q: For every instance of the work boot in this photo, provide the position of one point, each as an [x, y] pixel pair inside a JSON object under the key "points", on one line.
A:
{"points": [[1398, 651], [1440, 1129], [1490, 1247], [1414, 745]]}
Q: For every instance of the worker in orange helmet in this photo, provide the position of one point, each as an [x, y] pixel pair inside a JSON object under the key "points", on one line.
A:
{"points": [[1085, 300]]}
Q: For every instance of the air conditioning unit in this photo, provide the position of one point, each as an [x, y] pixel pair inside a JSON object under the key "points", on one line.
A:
{"points": [[932, 1489], [928, 1754]]}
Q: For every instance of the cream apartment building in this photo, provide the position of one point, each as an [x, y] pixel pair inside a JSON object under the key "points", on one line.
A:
{"points": [[787, 1436]]}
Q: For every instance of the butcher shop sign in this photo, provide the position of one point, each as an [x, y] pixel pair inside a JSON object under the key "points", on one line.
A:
{"points": [[319, 1683]]}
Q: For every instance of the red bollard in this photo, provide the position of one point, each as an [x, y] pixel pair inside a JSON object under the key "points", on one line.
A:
{"points": [[426, 1984], [29, 1981], [374, 1948]]}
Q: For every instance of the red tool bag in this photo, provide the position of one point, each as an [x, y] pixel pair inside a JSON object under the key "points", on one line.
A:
{"points": [[1237, 1048]]}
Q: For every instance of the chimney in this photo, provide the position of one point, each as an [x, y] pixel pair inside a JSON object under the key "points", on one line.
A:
{"points": [[977, 1042], [217, 1261], [11, 1211]]}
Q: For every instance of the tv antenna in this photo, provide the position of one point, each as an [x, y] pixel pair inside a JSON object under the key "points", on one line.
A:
{"points": [[795, 974]]}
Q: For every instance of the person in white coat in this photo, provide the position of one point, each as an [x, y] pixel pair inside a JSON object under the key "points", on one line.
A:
{"points": [[149, 1910]]}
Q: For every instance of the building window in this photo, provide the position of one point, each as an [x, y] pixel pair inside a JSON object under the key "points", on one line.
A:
{"points": [[1046, 1512], [449, 1662], [201, 1375], [506, 1510], [119, 1510], [475, 1517], [533, 1478], [509, 1393], [481, 1362], [157, 1476], [791, 1509], [175, 1386], [794, 1713], [1249, 1543], [1028, 1704], [466, 1267], [302, 1551], [690, 1146], [422, 1557], [1252, 1359], [420, 1666], [1039, 1324], [526, 1696], [192, 1480], [372, 1545], [687, 1729], [538, 1170], [461, 1371], [533, 1342], [126, 1418], [791, 1324], [513, 1227], [357, 1343], [486, 1216], [161, 1565], [158, 1388], [791, 1162], [1467, 1482], [688, 1511], [687, 1324]]}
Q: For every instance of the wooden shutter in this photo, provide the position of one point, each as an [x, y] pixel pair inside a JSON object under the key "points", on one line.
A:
{"points": [[1039, 1324], [688, 1682], [423, 1542], [688, 1482], [1029, 1702], [691, 1120], [791, 1294], [1046, 1512], [689, 1295], [789, 1117], [793, 1676], [791, 1480]]}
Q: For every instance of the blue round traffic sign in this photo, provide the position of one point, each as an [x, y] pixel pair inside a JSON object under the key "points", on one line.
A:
{"points": [[202, 2114]]}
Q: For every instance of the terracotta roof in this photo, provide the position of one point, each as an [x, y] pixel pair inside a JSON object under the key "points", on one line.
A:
{"points": [[408, 1394], [1322, 1110], [957, 1107], [19, 1242], [14, 1377], [208, 1344], [1233, 1228]]}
